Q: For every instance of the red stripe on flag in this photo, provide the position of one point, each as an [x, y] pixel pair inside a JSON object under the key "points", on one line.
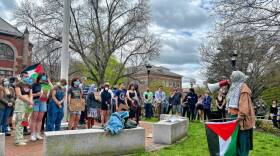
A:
{"points": [[223, 129], [39, 69]]}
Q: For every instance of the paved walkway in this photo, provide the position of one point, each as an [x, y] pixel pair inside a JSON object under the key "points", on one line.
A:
{"points": [[36, 148]]}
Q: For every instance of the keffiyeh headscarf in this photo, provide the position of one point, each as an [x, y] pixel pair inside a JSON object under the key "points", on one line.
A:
{"points": [[237, 79], [92, 88]]}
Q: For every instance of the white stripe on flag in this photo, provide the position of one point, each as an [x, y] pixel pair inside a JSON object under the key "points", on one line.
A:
{"points": [[223, 145]]}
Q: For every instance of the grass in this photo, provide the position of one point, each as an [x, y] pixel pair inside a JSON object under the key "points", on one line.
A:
{"points": [[153, 119], [196, 144]]}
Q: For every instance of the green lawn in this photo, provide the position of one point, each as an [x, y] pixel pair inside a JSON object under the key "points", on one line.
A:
{"points": [[196, 144]]}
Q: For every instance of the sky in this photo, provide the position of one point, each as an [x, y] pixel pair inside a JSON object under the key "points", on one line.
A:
{"points": [[181, 25]]}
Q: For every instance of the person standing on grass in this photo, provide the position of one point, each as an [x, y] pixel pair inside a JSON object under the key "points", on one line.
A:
{"points": [[273, 113], [207, 100], [23, 104], [92, 105], [120, 96], [240, 107], [131, 96], [177, 101], [192, 100], [106, 101], [199, 108], [221, 105], [74, 92], [160, 97], [148, 100], [7, 100], [55, 110], [138, 101]]}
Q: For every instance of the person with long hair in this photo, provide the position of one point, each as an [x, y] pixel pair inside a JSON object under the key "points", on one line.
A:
{"points": [[273, 113], [55, 110], [40, 106], [138, 101], [23, 104], [106, 101], [7, 99], [131, 96], [221, 105], [74, 92], [199, 107], [92, 106]]}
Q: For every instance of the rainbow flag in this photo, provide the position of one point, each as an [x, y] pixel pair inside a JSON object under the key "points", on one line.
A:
{"points": [[34, 70]]}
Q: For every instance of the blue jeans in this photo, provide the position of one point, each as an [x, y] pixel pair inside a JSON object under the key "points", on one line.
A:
{"points": [[1, 118], [4, 121], [54, 117], [148, 110]]}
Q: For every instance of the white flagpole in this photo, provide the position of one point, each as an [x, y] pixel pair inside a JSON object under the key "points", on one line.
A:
{"points": [[65, 55]]}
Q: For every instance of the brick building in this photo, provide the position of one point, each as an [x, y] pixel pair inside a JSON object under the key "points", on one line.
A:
{"points": [[15, 49], [158, 76]]}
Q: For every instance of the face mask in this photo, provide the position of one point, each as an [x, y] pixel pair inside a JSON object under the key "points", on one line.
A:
{"points": [[44, 78], [77, 83], [106, 88], [6, 84], [26, 89]]}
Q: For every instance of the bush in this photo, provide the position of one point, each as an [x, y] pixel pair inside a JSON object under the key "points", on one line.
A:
{"points": [[266, 126]]}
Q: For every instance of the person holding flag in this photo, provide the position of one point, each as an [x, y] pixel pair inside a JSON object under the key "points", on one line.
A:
{"points": [[234, 137], [240, 107]]}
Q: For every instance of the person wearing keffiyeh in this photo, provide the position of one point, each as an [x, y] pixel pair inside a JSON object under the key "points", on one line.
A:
{"points": [[240, 107]]}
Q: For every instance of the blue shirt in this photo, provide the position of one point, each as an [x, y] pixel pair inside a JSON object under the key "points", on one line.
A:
{"points": [[36, 88], [121, 96], [207, 102]]}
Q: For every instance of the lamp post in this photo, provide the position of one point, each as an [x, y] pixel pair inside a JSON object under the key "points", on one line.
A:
{"points": [[233, 59], [148, 67]]}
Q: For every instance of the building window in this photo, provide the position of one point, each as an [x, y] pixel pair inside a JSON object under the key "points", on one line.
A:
{"points": [[6, 52], [6, 73]]}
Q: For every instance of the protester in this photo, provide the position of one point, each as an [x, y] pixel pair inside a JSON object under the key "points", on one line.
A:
{"points": [[207, 100], [55, 110], [74, 92], [138, 101], [92, 106], [106, 101], [23, 104], [199, 108], [40, 98], [221, 105], [240, 107], [148, 100], [131, 96], [176, 102], [120, 95], [274, 113], [160, 98], [169, 101], [7, 100], [192, 100]]}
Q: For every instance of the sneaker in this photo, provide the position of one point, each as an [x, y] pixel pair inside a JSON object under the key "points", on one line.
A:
{"points": [[8, 134], [39, 137], [20, 144], [33, 137]]}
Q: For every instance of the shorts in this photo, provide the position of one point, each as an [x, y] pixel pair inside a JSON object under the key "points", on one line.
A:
{"points": [[92, 113], [176, 108], [39, 106], [75, 112], [104, 107], [200, 107]]}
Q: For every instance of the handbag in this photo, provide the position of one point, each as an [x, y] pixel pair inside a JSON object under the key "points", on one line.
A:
{"points": [[77, 105]]}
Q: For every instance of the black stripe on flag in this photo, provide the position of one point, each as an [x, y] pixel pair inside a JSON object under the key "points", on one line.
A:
{"points": [[213, 142]]}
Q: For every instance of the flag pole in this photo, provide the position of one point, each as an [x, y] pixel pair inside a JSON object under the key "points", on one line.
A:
{"points": [[65, 55]]}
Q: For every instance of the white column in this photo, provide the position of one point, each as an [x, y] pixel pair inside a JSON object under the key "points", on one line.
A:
{"points": [[65, 55]]}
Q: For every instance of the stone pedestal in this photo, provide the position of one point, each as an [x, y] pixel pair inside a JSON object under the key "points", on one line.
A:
{"points": [[168, 116], [93, 142], [165, 132], [2, 144]]}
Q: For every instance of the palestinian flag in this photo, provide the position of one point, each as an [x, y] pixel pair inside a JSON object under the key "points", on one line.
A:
{"points": [[222, 137], [34, 70]]}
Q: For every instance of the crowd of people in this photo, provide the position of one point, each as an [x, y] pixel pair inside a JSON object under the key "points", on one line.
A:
{"points": [[41, 108]]}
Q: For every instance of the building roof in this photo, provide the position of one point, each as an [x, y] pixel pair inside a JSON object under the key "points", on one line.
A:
{"points": [[154, 70], [7, 28]]}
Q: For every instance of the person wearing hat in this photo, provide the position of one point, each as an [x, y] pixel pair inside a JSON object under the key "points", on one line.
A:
{"points": [[240, 107], [92, 105]]}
